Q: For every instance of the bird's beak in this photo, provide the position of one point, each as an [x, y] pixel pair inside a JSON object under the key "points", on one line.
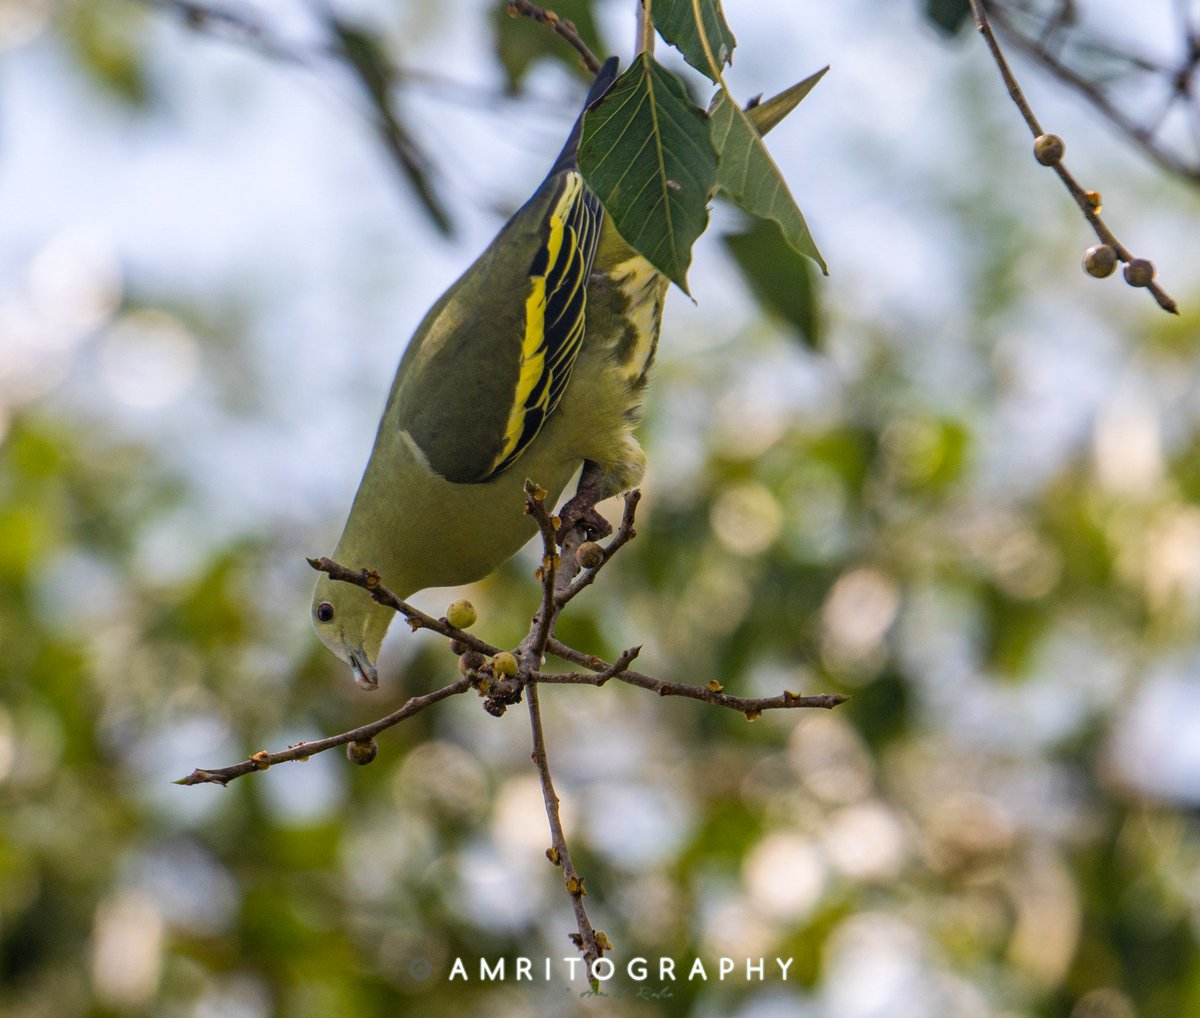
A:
{"points": [[365, 673]]}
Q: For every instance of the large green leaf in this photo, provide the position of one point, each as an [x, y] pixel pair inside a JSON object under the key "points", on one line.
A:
{"points": [[675, 21], [750, 177], [647, 153], [779, 277]]}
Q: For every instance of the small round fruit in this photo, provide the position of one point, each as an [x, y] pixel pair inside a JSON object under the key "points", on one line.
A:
{"points": [[589, 554], [457, 647], [1048, 149], [1139, 272], [1100, 260], [461, 614], [471, 661], [504, 664], [362, 752]]}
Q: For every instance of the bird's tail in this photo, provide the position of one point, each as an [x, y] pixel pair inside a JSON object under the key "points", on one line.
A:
{"points": [[604, 81]]}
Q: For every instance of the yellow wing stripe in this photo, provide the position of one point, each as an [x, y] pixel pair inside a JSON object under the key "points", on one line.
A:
{"points": [[554, 316]]}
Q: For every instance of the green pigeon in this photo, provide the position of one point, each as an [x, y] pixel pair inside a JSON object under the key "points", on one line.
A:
{"points": [[532, 365]]}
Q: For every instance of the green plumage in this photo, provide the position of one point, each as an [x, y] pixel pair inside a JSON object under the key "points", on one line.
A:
{"points": [[533, 363]]}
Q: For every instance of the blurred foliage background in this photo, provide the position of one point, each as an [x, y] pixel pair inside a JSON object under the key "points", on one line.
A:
{"points": [[960, 483]]}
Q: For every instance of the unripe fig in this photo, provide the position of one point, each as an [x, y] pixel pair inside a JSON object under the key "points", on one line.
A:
{"points": [[1100, 260], [362, 752], [461, 614], [1048, 149], [1139, 272], [471, 661], [504, 664], [589, 555]]}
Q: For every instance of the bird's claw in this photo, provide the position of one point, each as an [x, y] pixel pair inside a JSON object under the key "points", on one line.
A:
{"points": [[582, 517]]}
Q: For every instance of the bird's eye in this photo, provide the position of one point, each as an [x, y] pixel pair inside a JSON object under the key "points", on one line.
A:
{"points": [[324, 612]]}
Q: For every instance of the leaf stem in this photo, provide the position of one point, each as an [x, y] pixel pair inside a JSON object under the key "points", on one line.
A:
{"points": [[645, 29]]}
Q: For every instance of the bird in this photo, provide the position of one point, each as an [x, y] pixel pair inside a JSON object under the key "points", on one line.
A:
{"points": [[533, 364]]}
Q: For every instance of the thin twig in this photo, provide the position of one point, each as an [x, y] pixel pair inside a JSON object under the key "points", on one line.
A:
{"points": [[558, 569], [533, 647], [712, 693], [565, 28], [1141, 134], [303, 750], [620, 665], [558, 852], [371, 582], [1088, 202]]}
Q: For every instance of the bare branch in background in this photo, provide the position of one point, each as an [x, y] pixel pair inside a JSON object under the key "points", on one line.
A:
{"points": [[348, 46], [1098, 69], [1048, 149], [362, 53]]}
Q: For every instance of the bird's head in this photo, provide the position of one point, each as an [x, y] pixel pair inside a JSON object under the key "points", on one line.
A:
{"points": [[351, 625]]}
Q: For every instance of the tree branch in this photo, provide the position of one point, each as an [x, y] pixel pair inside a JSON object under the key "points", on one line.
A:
{"points": [[1142, 134], [533, 647], [558, 853], [303, 750], [560, 579], [565, 28], [1088, 201], [713, 692]]}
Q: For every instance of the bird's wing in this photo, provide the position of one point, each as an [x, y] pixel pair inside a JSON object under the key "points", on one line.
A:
{"points": [[554, 316], [491, 361]]}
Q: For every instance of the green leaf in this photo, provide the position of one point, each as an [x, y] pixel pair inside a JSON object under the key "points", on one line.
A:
{"points": [[647, 153], [764, 114], [521, 43], [779, 277], [750, 177], [675, 21]]}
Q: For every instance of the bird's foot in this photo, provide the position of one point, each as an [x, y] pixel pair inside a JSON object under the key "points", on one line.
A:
{"points": [[580, 513]]}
